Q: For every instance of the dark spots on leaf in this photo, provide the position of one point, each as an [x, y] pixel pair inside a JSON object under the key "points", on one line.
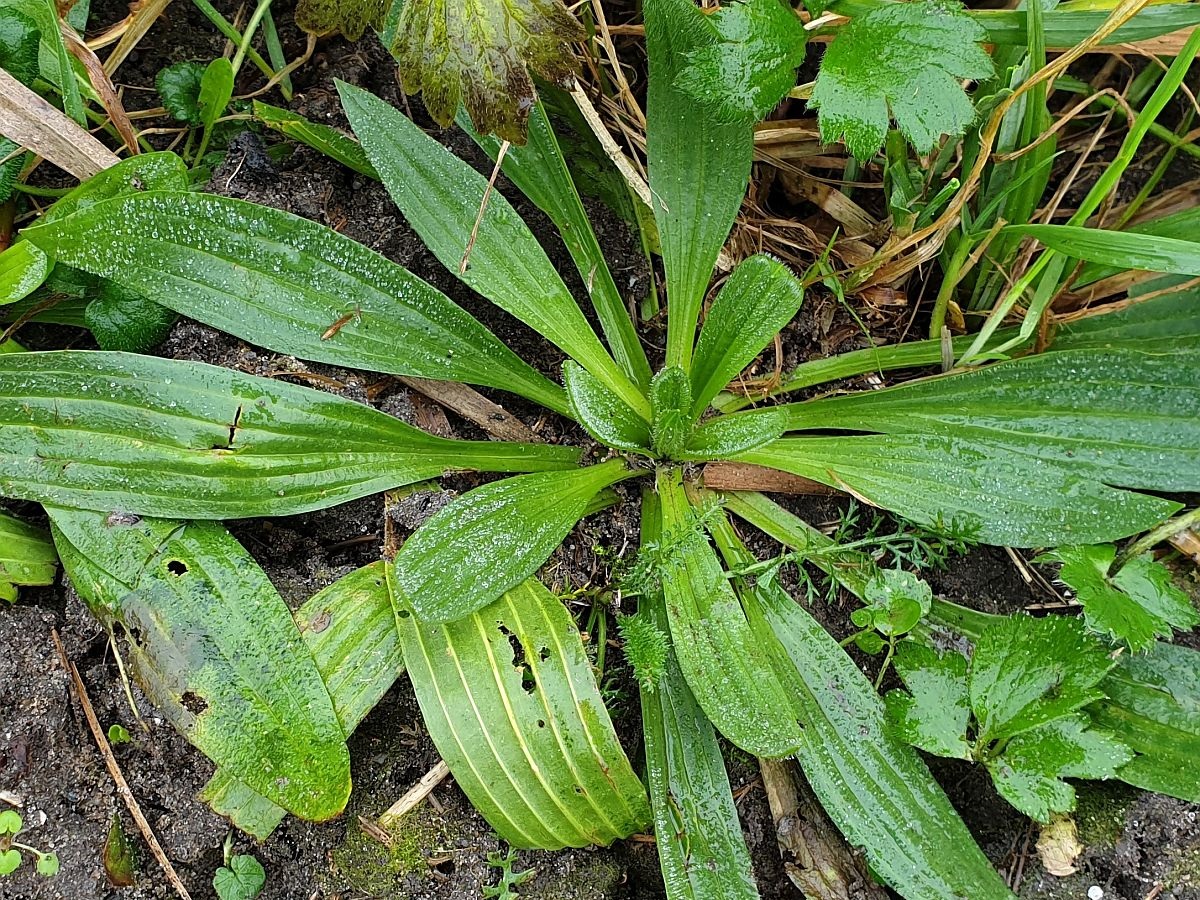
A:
{"points": [[177, 567], [543, 654], [541, 723], [193, 702], [579, 789], [320, 622], [528, 682], [403, 613]]}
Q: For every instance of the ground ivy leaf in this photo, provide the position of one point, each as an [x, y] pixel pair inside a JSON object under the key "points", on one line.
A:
{"points": [[242, 879], [907, 58], [1136, 606], [933, 713], [1030, 771], [179, 87], [347, 17], [1026, 672], [753, 65], [479, 52]]}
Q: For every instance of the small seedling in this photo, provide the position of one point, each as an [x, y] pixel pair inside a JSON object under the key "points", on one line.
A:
{"points": [[241, 878], [509, 880], [118, 734], [11, 850]]}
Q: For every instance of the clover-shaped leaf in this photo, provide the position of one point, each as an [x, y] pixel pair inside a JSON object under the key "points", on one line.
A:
{"points": [[10, 861], [905, 59], [10, 822]]}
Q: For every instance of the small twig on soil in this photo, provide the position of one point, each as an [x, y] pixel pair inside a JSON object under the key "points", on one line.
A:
{"points": [[115, 771], [728, 476], [416, 794], [474, 407], [483, 205]]}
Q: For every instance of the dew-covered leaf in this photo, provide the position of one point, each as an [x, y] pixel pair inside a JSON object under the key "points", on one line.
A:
{"points": [[215, 648], [23, 268], [606, 416], [758, 300], [671, 406], [1029, 773], [27, 556], [179, 87], [159, 437], [480, 53], [1002, 497], [162, 171], [902, 60], [896, 601], [287, 284], [349, 18], [725, 665], [494, 537], [510, 699], [121, 319], [753, 64], [1136, 606], [1026, 672], [726, 436], [933, 713]]}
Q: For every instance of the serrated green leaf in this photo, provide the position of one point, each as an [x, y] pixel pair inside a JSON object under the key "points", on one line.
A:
{"points": [[242, 879], [323, 138], [1121, 415], [758, 300], [494, 537], [171, 438], [671, 405], [510, 699], [604, 415], [479, 53], [752, 67], [1006, 498], [1030, 771], [904, 60], [1026, 672], [349, 18], [27, 556], [725, 665], [215, 648], [701, 849], [934, 712], [121, 319], [1136, 606], [179, 87], [698, 168], [440, 196], [23, 269], [727, 436], [284, 282]]}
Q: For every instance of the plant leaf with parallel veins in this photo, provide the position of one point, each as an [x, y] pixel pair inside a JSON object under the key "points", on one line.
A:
{"points": [[726, 436], [1136, 606], [349, 18], [606, 416], [901, 61], [170, 438], [23, 268], [494, 537], [283, 282], [510, 699], [216, 649], [27, 556], [479, 53]]}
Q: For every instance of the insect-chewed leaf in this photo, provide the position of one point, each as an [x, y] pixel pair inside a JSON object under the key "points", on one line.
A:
{"points": [[934, 712], [510, 700], [606, 416], [215, 648], [479, 53], [1137, 605], [27, 556], [162, 437], [1026, 672], [349, 18], [902, 58], [494, 537], [725, 664], [753, 66]]}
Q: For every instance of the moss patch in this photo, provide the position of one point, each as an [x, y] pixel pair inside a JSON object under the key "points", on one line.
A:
{"points": [[376, 869], [1186, 871], [1100, 813]]}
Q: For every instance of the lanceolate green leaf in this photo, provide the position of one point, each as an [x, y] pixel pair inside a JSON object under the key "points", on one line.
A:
{"points": [[725, 664], [494, 537], [758, 300], [1126, 249], [324, 138], [23, 268], [440, 196], [509, 698], [1124, 416], [699, 837], [1005, 498], [876, 790], [1163, 323], [215, 648], [699, 168], [27, 556], [727, 436], [163, 171], [286, 283], [605, 416], [167, 438], [540, 171], [1181, 225]]}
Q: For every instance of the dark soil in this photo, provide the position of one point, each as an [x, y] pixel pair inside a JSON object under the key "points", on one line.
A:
{"points": [[50, 766]]}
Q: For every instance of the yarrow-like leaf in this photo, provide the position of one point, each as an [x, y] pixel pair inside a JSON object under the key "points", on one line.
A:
{"points": [[902, 58], [479, 52]]}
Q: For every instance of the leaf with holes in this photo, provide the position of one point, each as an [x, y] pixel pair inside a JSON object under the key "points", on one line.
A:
{"points": [[510, 700], [904, 60], [1137, 605], [214, 646]]}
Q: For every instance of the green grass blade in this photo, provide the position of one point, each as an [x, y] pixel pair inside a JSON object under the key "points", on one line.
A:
{"points": [[1181, 225], [698, 169], [1123, 249], [510, 700], [157, 437]]}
